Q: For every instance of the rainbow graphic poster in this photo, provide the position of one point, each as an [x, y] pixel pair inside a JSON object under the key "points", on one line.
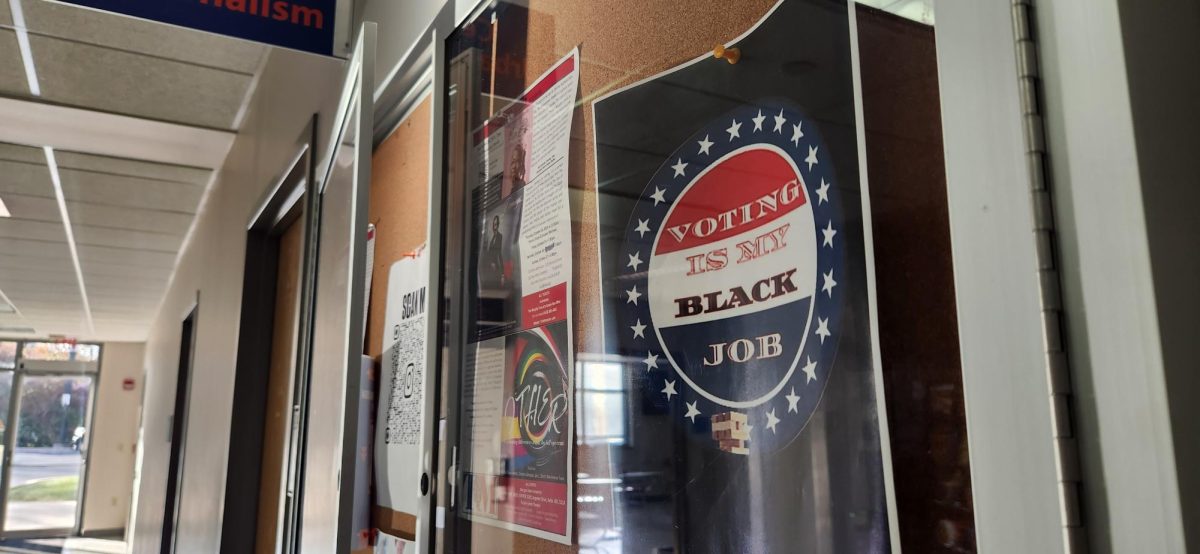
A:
{"points": [[515, 411]]}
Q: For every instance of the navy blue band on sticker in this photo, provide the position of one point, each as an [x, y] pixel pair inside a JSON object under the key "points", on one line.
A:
{"points": [[730, 265]]}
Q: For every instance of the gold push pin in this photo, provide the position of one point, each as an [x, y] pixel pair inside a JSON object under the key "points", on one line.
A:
{"points": [[731, 55]]}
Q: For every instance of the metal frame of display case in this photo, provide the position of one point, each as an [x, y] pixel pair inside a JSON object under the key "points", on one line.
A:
{"points": [[1012, 359], [419, 73]]}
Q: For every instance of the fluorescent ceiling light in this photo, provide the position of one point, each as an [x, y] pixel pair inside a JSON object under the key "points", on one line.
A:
{"points": [[4, 209], [18, 17], [7, 306], [52, 164]]}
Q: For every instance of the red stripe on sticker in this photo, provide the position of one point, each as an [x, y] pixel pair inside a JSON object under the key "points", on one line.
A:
{"points": [[746, 191]]}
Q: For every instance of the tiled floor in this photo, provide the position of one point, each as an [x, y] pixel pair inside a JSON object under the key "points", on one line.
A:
{"points": [[74, 545], [93, 546], [52, 514]]}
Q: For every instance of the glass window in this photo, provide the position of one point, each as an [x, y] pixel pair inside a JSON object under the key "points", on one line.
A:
{"points": [[60, 351], [8, 355], [51, 446]]}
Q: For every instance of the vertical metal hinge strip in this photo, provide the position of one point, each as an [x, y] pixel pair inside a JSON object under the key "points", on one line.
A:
{"points": [[1066, 449]]}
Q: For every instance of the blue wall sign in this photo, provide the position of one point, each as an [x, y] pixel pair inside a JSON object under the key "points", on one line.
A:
{"points": [[306, 25]]}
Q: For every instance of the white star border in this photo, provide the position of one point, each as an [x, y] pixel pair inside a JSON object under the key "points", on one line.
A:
{"points": [[798, 398]]}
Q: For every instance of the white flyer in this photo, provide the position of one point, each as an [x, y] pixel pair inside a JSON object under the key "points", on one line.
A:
{"points": [[398, 436], [517, 390], [387, 544]]}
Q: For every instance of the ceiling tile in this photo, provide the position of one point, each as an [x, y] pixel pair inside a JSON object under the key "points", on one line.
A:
{"points": [[36, 230], [105, 323], [28, 298], [127, 310], [62, 265], [129, 314], [38, 208], [134, 84], [16, 290], [60, 323], [5, 14], [12, 70], [124, 33], [126, 256], [102, 236], [25, 178], [34, 249], [133, 219], [129, 192], [118, 330], [130, 308], [133, 168], [40, 314], [109, 296], [114, 293], [12, 320], [151, 274], [21, 153], [126, 289], [40, 301], [11, 273], [149, 282], [110, 326], [120, 333], [124, 316]]}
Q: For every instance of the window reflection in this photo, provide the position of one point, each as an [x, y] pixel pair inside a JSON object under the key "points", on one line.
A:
{"points": [[603, 403]]}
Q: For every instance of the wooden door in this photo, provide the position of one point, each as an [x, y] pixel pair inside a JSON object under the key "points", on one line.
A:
{"points": [[279, 385]]}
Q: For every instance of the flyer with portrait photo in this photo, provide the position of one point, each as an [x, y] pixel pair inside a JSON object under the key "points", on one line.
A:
{"points": [[517, 379]]}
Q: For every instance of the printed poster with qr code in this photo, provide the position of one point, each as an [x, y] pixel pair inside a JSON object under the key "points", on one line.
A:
{"points": [[402, 384]]}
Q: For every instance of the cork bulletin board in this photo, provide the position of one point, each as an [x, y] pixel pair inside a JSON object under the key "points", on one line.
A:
{"points": [[399, 196]]}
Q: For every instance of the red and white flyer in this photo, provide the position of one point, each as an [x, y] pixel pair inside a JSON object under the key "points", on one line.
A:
{"points": [[517, 379]]}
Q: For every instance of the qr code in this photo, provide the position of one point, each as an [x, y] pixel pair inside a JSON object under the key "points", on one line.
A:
{"points": [[407, 369]]}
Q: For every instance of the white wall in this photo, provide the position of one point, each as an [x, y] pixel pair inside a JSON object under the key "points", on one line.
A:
{"points": [[399, 24], [291, 88], [1122, 128], [112, 438], [1162, 52]]}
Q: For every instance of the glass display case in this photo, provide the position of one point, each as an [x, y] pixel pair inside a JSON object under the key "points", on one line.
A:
{"points": [[698, 282]]}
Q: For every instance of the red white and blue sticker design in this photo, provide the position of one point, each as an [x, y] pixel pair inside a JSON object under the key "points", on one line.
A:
{"points": [[730, 266]]}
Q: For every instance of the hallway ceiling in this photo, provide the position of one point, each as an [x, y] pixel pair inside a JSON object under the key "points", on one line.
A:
{"points": [[129, 120]]}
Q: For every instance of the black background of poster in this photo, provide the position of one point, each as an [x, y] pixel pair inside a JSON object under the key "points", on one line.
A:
{"points": [[824, 491], [495, 306]]}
